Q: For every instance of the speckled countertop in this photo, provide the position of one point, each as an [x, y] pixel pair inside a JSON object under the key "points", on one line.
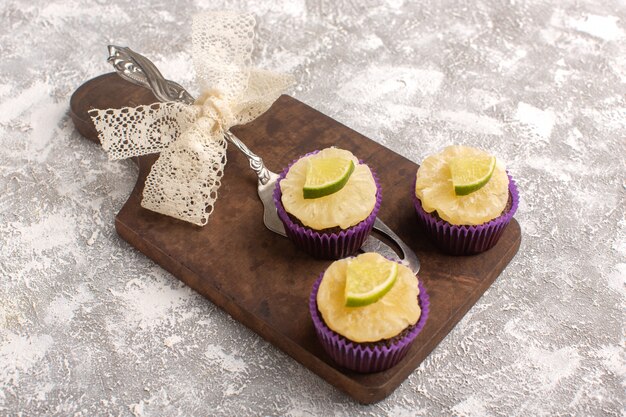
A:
{"points": [[89, 326]]}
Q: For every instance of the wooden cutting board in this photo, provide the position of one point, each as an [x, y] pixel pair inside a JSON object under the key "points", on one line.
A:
{"points": [[259, 277]]}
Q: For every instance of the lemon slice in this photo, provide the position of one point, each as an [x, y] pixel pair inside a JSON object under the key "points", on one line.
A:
{"points": [[470, 174], [368, 279], [325, 176]]}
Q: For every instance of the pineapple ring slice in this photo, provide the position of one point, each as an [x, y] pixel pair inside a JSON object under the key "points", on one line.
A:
{"points": [[384, 319], [435, 190], [344, 208]]}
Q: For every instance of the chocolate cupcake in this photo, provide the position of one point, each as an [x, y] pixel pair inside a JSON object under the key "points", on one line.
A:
{"points": [[373, 337], [466, 219], [336, 223]]}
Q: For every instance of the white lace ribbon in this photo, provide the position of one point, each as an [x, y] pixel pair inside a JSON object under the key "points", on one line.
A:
{"points": [[183, 182]]}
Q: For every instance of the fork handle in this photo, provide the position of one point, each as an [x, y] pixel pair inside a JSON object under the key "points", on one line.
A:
{"points": [[138, 69], [256, 162]]}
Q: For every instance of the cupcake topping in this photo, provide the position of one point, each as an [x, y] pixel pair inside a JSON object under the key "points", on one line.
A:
{"points": [[384, 319], [435, 188], [325, 176], [344, 208]]}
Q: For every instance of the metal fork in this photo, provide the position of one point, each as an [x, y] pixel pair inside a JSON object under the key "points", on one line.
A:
{"points": [[139, 70]]}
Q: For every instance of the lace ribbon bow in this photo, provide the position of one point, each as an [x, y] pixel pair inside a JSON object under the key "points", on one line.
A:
{"points": [[183, 182]]}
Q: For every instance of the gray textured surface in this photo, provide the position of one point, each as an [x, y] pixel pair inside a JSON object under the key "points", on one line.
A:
{"points": [[89, 326]]}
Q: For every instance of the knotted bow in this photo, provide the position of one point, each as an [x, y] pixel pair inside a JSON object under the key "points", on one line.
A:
{"points": [[183, 182]]}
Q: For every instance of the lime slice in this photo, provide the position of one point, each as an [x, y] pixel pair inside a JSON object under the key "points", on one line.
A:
{"points": [[368, 279], [470, 174], [325, 176]]}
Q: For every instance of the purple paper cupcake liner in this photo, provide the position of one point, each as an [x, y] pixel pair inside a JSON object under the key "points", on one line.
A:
{"points": [[326, 245], [359, 357], [466, 240]]}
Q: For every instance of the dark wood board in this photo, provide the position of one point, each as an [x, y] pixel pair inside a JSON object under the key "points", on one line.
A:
{"points": [[259, 277]]}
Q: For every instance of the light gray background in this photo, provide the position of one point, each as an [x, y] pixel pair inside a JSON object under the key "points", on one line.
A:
{"points": [[89, 326]]}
